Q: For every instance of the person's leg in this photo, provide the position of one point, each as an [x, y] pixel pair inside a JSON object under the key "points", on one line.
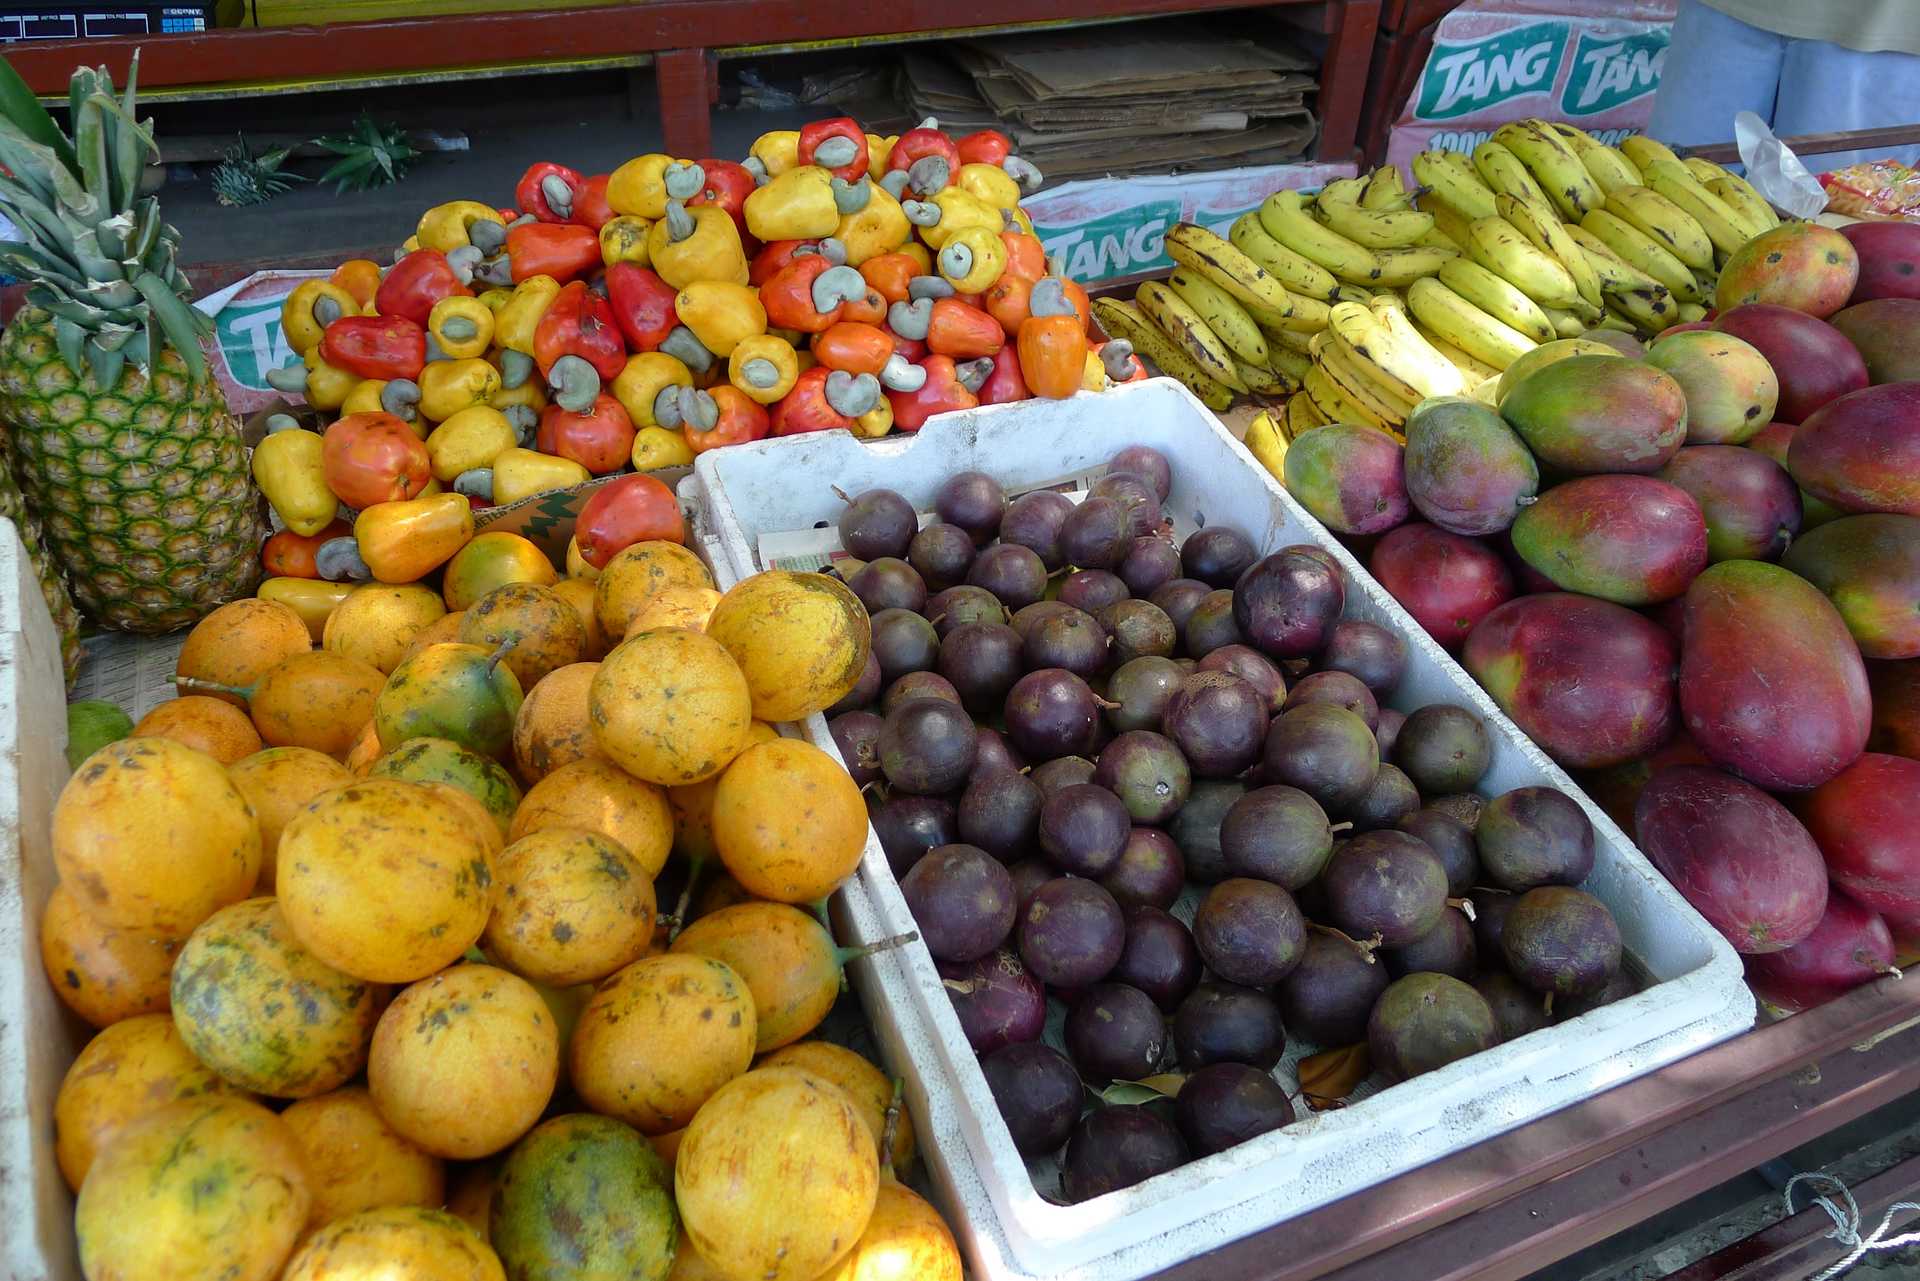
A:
{"points": [[1716, 67], [1827, 89]]}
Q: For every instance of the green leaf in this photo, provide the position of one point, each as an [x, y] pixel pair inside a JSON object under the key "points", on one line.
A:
{"points": [[90, 145], [176, 321], [31, 164], [19, 104], [97, 266], [146, 230], [106, 364], [71, 338], [139, 348], [116, 295]]}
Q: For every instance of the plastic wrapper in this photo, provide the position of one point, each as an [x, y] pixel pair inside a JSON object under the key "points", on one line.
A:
{"points": [[1774, 170], [1882, 189]]}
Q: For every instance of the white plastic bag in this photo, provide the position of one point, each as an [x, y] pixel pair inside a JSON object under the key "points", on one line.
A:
{"points": [[1775, 171]]}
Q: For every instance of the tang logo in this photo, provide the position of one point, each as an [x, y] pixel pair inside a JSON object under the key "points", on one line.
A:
{"points": [[1124, 241], [1609, 72], [1461, 79]]}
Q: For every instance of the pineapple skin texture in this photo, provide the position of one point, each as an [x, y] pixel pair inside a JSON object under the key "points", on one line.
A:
{"points": [[142, 491]]}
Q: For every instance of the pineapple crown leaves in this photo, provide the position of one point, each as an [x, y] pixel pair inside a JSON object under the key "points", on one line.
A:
{"points": [[242, 178], [98, 259], [371, 155]]}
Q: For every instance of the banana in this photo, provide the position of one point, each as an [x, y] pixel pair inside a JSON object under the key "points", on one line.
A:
{"points": [[1725, 228], [1292, 364], [1267, 443], [1263, 381], [1643, 150], [1605, 165], [1415, 359], [1503, 172], [1340, 209], [1492, 294], [1438, 239], [1614, 320], [1650, 312], [1453, 180], [1124, 320], [1615, 272], [1689, 312], [1643, 253], [1738, 194], [1386, 190], [1302, 415], [1471, 370], [1342, 404], [1222, 314], [1447, 221], [1464, 325], [1352, 293], [1565, 323], [1363, 382], [1355, 334], [1497, 245], [1287, 340], [1546, 234], [1184, 327], [1300, 275], [1665, 221], [1401, 267], [1553, 165], [1201, 251], [1286, 220], [1308, 315]]}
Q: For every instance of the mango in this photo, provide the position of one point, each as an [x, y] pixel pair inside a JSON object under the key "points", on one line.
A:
{"points": [[1591, 682], [1869, 567], [1862, 452], [1466, 470], [1349, 477], [1548, 353], [1633, 540], [1864, 819], [1618, 339], [1599, 414], [1802, 265], [1886, 333], [1448, 582], [1773, 440], [587, 1189], [1896, 708], [1771, 683], [1813, 361], [1731, 390], [1889, 259], [1751, 505]]}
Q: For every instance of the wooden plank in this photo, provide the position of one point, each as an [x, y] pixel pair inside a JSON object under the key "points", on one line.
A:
{"points": [[1816, 144]]}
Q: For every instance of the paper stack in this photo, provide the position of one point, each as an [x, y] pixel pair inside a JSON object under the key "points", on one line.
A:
{"points": [[1133, 97]]}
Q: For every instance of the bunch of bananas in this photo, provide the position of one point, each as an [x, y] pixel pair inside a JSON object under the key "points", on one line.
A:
{"points": [[1359, 301], [1562, 233]]}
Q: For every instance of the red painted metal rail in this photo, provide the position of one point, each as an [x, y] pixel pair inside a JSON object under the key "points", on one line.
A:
{"points": [[683, 36]]}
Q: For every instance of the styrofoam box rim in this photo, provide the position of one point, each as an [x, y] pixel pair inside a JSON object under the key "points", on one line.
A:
{"points": [[1699, 996]]}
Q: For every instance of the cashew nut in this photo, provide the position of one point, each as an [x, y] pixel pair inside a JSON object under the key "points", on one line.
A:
{"points": [[760, 373], [956, 260], [401, 398], [910, 319], [1022, 172], [523, 419], [475, 482], [929, 175], [921, 213], [680, 223], [837, 285], [325, 310], [515, 368], [851, 395], [486, 235], [1049, 298], [558, 194], [698, 409], [459, 328], [466, 260], [836, 151], [575, 383], [974, 372], [282, 422], [292, 381], [850, 197], [1116, 357], [683, 179], [901, 374], [339, 561], [688, 350], [497, 270], [929, 287]]}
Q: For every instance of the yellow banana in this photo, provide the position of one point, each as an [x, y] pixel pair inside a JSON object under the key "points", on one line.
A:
{"points": [[1222, 314], [1665, 221], [1689, 312], [1503, 172], [1447, 221], [1267, 442], [1340, 209], [1494, 295], [1464, 325], [1201, 251], [1302, 415], [1497, 245], [1307, 316], [1124, 320], [1565, 323], [1362, 381], [1411, 357], [1544, 232], [1650, 312], [1386, 190], [1299, 274], [1738, 194], [1284, 360], [1643, 252], [1615, 321], [1452, 179], [1438, 239], [1286, 220], [1262, 380], [1352, 293], [1355, 332], [1605, 165], [1187, 331], [1615, 272], [1288, 339], [1343, 404], [1553, 165], [1401, 267], [1471, 370], [1725, 228], [1643, 150]]}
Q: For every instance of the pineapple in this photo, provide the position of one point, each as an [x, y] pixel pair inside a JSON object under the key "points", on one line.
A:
{"points": [[59, 604], [121, 440]]}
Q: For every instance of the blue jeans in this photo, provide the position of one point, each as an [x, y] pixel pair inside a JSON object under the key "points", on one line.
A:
{"points": [[1717, 66]]}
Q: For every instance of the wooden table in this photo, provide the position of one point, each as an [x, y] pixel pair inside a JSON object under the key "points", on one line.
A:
{"points": [[682, 39]]}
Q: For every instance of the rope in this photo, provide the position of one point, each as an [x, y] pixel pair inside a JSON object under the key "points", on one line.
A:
{"points": [[1846, 1224]]}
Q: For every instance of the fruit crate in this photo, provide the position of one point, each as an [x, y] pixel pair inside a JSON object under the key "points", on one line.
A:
{"points": [[1695, 995]]}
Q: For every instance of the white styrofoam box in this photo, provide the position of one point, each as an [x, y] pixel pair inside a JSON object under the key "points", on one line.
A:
{"points": [[1696, 998], [38, 1037]]}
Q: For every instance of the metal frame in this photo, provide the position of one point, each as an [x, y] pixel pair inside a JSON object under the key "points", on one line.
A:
{"points": [[681, 36]]}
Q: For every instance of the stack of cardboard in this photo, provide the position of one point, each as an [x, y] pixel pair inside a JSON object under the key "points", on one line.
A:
{"points": [[1136, 97]]}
